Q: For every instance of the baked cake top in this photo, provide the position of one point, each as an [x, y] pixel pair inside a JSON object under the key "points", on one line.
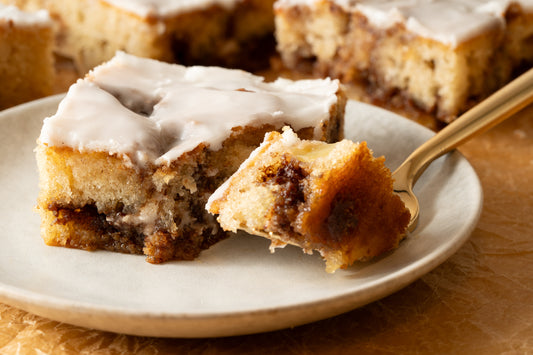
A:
{"points": [[448, 21], [12, 13], [153, 112], [161, 8]]}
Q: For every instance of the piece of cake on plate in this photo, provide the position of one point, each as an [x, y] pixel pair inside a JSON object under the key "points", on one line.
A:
{"points": [[26, 61], [230, 33], [438, 56], [136, 148], [334, 198]]}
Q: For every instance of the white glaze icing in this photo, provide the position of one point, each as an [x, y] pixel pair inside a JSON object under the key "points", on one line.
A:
{"points": [[161, 8], [166, 110], [449, 21], [20, 17]]}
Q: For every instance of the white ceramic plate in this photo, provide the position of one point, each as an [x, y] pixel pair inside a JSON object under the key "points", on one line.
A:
{"points": [[237, 286]]}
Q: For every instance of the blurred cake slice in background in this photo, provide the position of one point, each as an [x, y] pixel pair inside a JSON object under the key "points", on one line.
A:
{"points": [[439, 56], [26, 59], [230, 33]]}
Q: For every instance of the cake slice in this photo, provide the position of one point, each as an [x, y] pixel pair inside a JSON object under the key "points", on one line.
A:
{"points": [[136, 148], [334, 198], [26, 61], [229, 33], [439, 57]]}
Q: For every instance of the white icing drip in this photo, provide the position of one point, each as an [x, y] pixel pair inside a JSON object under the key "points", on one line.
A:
{"points": [[154, 112], [25, 18], [91, 119], [449, 21], [161, 8]]}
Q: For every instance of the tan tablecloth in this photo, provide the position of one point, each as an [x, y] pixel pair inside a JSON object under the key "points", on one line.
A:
{"points": [[480, 301]]}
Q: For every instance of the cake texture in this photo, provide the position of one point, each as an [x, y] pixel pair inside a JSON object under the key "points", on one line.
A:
{"points": [[334, 198], [229, 33], [26, 60], [136, 148], [439, 56]]}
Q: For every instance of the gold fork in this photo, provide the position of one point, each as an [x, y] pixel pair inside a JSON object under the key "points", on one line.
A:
{"points": [[496, 108]]}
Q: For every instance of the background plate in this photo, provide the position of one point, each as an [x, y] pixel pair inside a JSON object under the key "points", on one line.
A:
{"points": [[237, 286]]}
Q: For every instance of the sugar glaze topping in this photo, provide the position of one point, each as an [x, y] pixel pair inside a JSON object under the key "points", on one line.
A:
{"points": [[448, 21], [161, 8], [25, 18], [153, 112]]}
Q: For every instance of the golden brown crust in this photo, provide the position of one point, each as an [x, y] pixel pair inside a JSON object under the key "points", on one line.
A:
{"points": [[359, 202]]}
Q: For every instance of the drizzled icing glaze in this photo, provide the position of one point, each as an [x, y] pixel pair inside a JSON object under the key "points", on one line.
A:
{"points": [[153, 112], [161, 8], [449, 21], [20, 17]]}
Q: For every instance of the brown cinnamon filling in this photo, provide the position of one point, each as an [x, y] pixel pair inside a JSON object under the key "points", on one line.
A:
{"points": [[87, 218], [94, 231], [342, 221], [290, 176]]}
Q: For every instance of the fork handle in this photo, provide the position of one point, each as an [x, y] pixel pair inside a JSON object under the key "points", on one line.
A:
{"points": [[496, 108]]}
